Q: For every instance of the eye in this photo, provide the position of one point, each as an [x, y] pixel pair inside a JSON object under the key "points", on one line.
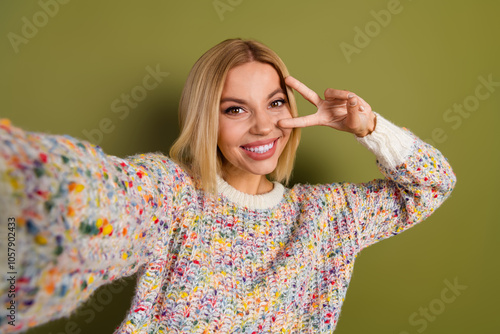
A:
{"points": [[277, 103], [234, 111]]}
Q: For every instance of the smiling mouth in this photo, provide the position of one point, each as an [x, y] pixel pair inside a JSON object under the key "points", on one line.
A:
{"points": [[261, 149]]}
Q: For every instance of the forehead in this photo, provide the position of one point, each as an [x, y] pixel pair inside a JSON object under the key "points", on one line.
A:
{"points": [[251, 76]]}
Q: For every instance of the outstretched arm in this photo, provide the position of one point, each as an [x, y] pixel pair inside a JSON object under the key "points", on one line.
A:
{"points": [[82, 219]]}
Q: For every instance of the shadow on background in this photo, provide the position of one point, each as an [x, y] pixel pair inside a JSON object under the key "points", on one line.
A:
{"points": [[310, 168], [99, 314]]}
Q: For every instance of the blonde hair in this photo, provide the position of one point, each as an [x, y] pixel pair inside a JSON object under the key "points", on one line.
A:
{"points": [[196, 147]]}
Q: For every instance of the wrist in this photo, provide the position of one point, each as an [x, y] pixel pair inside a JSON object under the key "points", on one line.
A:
{"points": [[371, 127], [390, 143]]}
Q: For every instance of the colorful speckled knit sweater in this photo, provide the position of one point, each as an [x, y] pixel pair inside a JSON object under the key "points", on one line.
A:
{"points": [[279, 262]]}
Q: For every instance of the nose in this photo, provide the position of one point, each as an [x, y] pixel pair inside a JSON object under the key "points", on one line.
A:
{"points": [[262, 124]]}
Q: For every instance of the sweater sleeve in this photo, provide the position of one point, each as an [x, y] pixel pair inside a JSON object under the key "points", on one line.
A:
{"points": [[73, 219], [418, 180]]}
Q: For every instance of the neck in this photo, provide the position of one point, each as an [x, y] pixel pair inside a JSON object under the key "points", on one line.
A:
{"points": [[249, 183]]}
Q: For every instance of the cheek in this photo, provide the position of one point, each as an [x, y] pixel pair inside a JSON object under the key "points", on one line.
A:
{"points": [[223, 133], [286, 136], [227, 136]]}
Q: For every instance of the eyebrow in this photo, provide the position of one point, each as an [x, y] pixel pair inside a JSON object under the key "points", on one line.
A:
{"points": [[274, 92]]}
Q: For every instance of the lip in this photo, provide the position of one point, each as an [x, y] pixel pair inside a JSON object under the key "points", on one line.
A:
{"points": [[260, 142], [261, 156]]}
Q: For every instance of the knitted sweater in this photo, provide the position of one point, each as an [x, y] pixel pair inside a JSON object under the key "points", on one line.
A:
{"points": [[279, 262]]}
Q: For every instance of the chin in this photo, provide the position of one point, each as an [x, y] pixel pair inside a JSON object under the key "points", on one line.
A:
{"points": [[264, 170]]}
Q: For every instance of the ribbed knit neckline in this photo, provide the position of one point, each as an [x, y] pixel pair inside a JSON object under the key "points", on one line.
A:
{"points": [[262, 201]]}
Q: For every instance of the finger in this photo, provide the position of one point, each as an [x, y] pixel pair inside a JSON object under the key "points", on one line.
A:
{"points": [[364, 106], [331, 94], [353, 104], [354, 108], [356, 102], [305, 91], [299, 122]]}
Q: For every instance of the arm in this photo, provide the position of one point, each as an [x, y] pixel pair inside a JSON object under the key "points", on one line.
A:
{"points": [[418, 180], [82, 219]]}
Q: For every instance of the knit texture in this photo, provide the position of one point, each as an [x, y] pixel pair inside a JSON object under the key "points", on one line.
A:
{"points": [[279, 262]]}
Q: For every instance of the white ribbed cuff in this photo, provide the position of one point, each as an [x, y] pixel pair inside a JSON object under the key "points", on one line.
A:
{"points": [[391, 144]]}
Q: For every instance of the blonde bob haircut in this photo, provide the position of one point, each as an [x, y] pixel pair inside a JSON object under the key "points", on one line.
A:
{"points": [[196, 147]]}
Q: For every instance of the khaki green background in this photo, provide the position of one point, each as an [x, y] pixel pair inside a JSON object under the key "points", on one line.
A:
{"points": [[430, 56]]}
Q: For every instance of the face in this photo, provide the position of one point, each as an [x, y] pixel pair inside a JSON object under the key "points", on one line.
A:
{"points": [[252, 103]]}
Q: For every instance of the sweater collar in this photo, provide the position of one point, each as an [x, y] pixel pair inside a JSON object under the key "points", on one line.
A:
{"points": [[262, 201]]}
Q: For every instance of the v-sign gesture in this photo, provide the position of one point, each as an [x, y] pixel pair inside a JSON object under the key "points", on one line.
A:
{"points": [[341, 110]]}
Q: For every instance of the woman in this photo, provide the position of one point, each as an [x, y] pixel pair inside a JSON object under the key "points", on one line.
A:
{"points": [[219, 247]]}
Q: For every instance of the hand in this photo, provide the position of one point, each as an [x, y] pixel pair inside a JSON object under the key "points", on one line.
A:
{"points": [[341, 110]]}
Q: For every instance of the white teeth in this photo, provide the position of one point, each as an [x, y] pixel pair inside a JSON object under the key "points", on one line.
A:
{"points": [[260, 149]]}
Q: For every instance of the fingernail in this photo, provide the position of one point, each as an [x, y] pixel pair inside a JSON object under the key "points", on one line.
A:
{"points": [[353, 102], [362, 108], [351, 95]]}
